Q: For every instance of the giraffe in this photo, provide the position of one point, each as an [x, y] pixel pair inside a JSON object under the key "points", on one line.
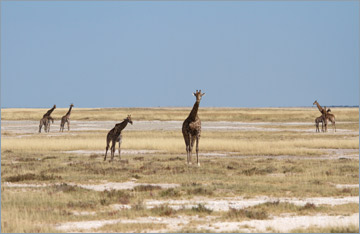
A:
{"points": [[191, 129], [46, 120], [317, 121], [66, 119], [326, 116], [331, 118], [114, 135]]}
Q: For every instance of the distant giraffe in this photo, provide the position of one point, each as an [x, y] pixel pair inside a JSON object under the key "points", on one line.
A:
{"points": [[319, 120], [46, 120], [331, 118], [326, 116], [66, 119], [115, 135], [191, 129]]}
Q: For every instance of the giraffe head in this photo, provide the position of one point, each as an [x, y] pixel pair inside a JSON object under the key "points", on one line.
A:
{"points": [[54, 106], [315, 102], [198, 95], [71, 105], [328, 110], [129, 119]]}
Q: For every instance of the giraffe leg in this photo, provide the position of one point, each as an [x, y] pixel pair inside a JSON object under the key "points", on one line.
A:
{"points": [[120, 140], [45, 126], [197, 150], [107, 147], [192, 140], [112, 149], [326, 126], [187, 144], [40, 126], [68, 124], [188, 153]]}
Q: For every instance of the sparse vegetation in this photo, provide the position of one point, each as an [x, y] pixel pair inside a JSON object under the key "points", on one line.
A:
{"points": [[31, 176], [163, 210], [302, 171], [171, 192], [240, 214], [200, 208]]}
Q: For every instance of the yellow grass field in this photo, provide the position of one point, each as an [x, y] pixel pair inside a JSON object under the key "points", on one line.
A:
{"points": [[258, 167], [179, 114]]}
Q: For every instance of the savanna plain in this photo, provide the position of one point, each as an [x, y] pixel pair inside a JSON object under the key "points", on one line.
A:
{"points": [[262, 170]]}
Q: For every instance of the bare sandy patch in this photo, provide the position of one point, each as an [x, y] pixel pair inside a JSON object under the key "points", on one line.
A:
{"points": [[96, 187], [226, 204], [79, 213], [282, 224], [123, 151], [121, 186], [18, 185], [342, 186], [277, 223]]}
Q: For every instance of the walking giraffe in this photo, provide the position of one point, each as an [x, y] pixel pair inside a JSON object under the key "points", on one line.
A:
{"points": [[115, 135], [191, 129], [46, 120], [66, 119]]}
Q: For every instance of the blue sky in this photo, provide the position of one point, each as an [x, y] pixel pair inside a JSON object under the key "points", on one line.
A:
{"points": [[150, 54]]}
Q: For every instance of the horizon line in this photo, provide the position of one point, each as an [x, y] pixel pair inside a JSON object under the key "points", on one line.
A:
{"points": [[124, 107]]}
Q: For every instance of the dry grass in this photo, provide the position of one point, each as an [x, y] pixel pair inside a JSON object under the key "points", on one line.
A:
{"points": [[132, 227], [39, 159], [241, 143], [206, 114], [38, 210]]}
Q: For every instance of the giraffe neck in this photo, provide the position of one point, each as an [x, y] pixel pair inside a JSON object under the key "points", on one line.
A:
{"points": [[48, 113], [120, 126], [69, 112], [194, 111], [319, 107]]}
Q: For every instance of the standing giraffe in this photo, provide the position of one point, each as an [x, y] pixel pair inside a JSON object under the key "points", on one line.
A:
{"points": [[326, 116], [115, 135], [331, 118], [66, 119], [317, 121], [46, 120], [191, 129]]}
